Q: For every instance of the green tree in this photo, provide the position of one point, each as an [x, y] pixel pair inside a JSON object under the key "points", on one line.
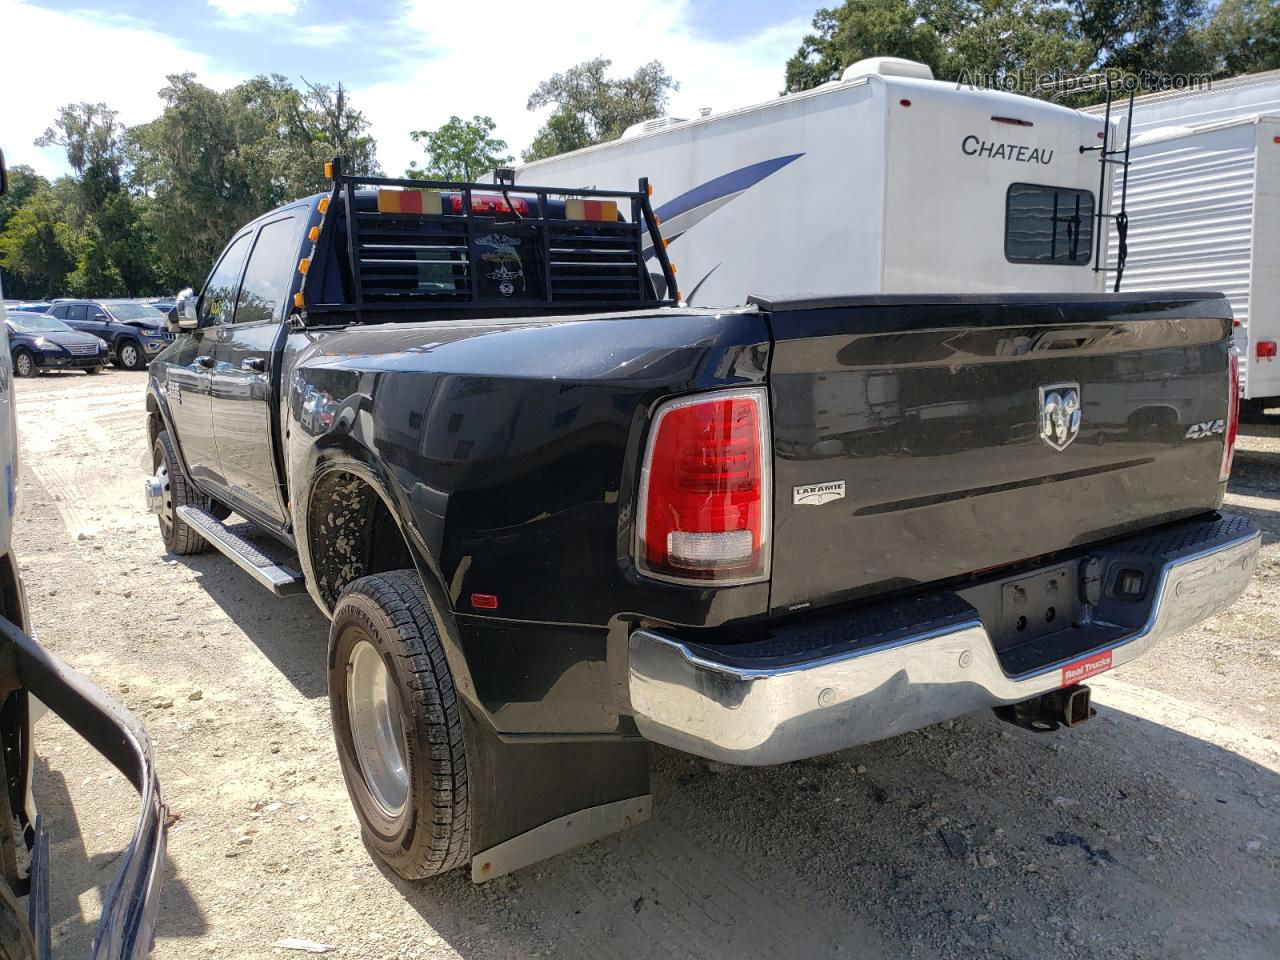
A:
{"points": [[23, 183], [1012, 42], [1143, 36], [38, 245], [214, 160], [592, 108], [459, 150], [858, 29], [93, 139], [1243, 36]]}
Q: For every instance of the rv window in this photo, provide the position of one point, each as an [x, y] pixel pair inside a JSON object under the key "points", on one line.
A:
{"points": [[1048, 224]]}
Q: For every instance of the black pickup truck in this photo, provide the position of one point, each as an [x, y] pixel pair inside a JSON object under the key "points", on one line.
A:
{"points": [[553, 517]]}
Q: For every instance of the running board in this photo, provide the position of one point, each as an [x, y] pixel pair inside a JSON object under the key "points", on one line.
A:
{"points": [[277, 578]]}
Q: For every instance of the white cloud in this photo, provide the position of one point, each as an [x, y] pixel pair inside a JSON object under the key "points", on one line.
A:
{"points": [[112, 60], [484, 68], [255, 8]]}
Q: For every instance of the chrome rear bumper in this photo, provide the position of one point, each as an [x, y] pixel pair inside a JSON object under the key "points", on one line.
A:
{"points": [[685, 698]]}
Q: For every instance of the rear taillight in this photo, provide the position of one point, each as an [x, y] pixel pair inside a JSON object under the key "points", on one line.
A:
{"points": [[1233, 416], [704, 490], [1266, 349]]}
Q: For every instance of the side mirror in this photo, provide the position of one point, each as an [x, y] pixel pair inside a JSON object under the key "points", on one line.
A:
{"points": [[185, 313]]}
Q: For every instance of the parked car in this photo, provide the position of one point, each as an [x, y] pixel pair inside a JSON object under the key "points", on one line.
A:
{"points": [[30, 674], [553, 516], [23, 307], [39, 342], [135, 331]]}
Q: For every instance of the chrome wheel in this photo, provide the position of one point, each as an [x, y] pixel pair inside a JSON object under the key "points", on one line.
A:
{"points": [[376, 729], [23, 364], [129, 356]]}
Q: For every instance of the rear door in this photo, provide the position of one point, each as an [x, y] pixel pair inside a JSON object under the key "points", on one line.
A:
{"points": [[189, 374], [919, 439], [243, 376]]}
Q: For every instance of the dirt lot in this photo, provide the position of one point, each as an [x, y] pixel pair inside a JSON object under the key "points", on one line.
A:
{"points": [[1152, 832]]}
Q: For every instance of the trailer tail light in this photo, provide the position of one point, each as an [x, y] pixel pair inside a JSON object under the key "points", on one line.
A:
{"points": [[704, 490], [1266, 349], [1233, 417]]}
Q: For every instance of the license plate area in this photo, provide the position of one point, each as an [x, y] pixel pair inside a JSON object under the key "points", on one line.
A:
{"points": [[1039, 604]]}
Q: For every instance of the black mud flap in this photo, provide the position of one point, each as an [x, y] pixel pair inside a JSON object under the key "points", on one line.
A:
{"points": [[533, 797]]}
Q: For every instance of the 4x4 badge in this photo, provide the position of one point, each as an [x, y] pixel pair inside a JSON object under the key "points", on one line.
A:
{"points": [[1060, 414], [816, 494]]}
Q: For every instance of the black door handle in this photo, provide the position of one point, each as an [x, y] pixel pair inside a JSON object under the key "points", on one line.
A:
{"points": [[256, 364], [204, 361]]}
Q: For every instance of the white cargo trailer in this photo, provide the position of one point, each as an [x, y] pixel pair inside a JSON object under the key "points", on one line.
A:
{"points": [[886, 181], [1204, 209]]}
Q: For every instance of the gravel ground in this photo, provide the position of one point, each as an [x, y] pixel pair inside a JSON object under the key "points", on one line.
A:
{"points": [[1154, 831]]}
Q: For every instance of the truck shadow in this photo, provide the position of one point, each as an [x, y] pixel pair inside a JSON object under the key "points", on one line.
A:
{"points": [[289, 631], [971, 837]]}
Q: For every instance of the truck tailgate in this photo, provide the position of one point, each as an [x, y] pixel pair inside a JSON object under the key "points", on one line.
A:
{"points": [[916, 440]]}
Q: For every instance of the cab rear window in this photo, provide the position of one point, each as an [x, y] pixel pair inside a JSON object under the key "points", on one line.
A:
{"points": [[1045, 224]]}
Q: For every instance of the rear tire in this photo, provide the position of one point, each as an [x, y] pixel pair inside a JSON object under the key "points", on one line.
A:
{"points": [[398, 725], [178, 537], [24, 364]]}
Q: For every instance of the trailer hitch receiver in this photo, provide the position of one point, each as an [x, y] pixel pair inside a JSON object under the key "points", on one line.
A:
{"points": [[1068, 707]]}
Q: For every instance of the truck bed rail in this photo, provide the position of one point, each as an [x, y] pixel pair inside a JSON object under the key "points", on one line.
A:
{"points": [[452, 245]]}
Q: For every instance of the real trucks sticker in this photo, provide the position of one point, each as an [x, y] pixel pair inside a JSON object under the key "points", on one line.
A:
{"points": [[1082, 670]]}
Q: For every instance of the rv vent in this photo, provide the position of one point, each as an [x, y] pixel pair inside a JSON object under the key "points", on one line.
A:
{"points": [[649, 126], [888, 67]]}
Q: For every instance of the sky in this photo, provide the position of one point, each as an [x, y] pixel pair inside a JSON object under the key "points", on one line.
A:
{"points": [[409, 64]]}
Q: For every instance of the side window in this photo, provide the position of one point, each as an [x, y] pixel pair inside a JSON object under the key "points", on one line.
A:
{"points": [[77, 311], [217, 303], [60, 311], [269, 274], [1048, 225]]}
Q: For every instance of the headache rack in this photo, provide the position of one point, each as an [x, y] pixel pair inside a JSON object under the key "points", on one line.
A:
{"points": [[422, 245]]}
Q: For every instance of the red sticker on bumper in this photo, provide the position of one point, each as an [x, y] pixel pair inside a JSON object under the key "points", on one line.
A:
{"points": [[1082, 670]]}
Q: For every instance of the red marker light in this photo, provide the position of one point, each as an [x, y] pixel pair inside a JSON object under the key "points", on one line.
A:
{"points": [[1266, 349], [905, 102], [484, 601]]}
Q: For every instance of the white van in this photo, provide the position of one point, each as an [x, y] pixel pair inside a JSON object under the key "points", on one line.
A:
{"points": [[885, 181]]}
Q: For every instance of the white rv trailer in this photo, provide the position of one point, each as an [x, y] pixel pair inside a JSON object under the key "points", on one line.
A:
{"points": [[886, 181], [1204, 208]]}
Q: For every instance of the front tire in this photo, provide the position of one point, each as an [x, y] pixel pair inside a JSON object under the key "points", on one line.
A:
{"points": [[398, 725], [179, 538], [129, 354], [24, 364]]}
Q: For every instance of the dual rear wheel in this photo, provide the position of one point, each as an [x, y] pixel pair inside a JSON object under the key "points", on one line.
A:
{"points": [[397, 721]]}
